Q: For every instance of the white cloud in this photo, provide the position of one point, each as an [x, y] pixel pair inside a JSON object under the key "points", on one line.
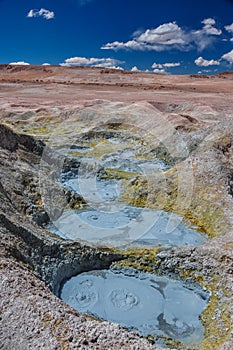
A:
{"points": [[169, 36], [32, 13], [208, 21], [228, 57], [20, 63], [209, 27], [204, 71], [165, 34], [205, 36], [41, 13], [165, 65], [92, 62], [116, 45], [159, 71], [201, 62], [135, 69], [164, 37], [160, 68], [46, 64], [229, 28]]}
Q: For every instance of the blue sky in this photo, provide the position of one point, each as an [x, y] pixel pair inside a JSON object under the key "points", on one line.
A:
{"points": [[164, 36]]}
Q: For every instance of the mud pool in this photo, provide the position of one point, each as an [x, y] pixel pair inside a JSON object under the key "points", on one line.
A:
{"points": [[140, 301], [126, 225], [106, 220]]}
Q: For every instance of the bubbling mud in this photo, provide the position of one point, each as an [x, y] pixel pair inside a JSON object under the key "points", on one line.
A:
{"points": [[143, 302], [98, 175], [126, 224]]}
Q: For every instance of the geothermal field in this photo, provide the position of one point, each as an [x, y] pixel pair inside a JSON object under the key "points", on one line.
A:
{"points": [[116, 216]]}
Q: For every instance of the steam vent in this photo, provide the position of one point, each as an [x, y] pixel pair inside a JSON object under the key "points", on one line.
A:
{"points": [[116, 209]]}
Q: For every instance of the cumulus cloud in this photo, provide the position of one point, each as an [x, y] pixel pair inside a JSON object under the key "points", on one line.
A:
{"points": [[169, 36], [208, 21], [205, 36], [92, 62], [168, 33], [116, 45], [46, 64], [201, 62], [229, 28], [228, 57], [165, 65], [135, 69], [209, 27], [20, 63], [41, 13], [165, 36], [159, 71]]}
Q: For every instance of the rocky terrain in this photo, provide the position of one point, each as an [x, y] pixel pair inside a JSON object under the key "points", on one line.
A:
{"points": [[52, 120]]}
